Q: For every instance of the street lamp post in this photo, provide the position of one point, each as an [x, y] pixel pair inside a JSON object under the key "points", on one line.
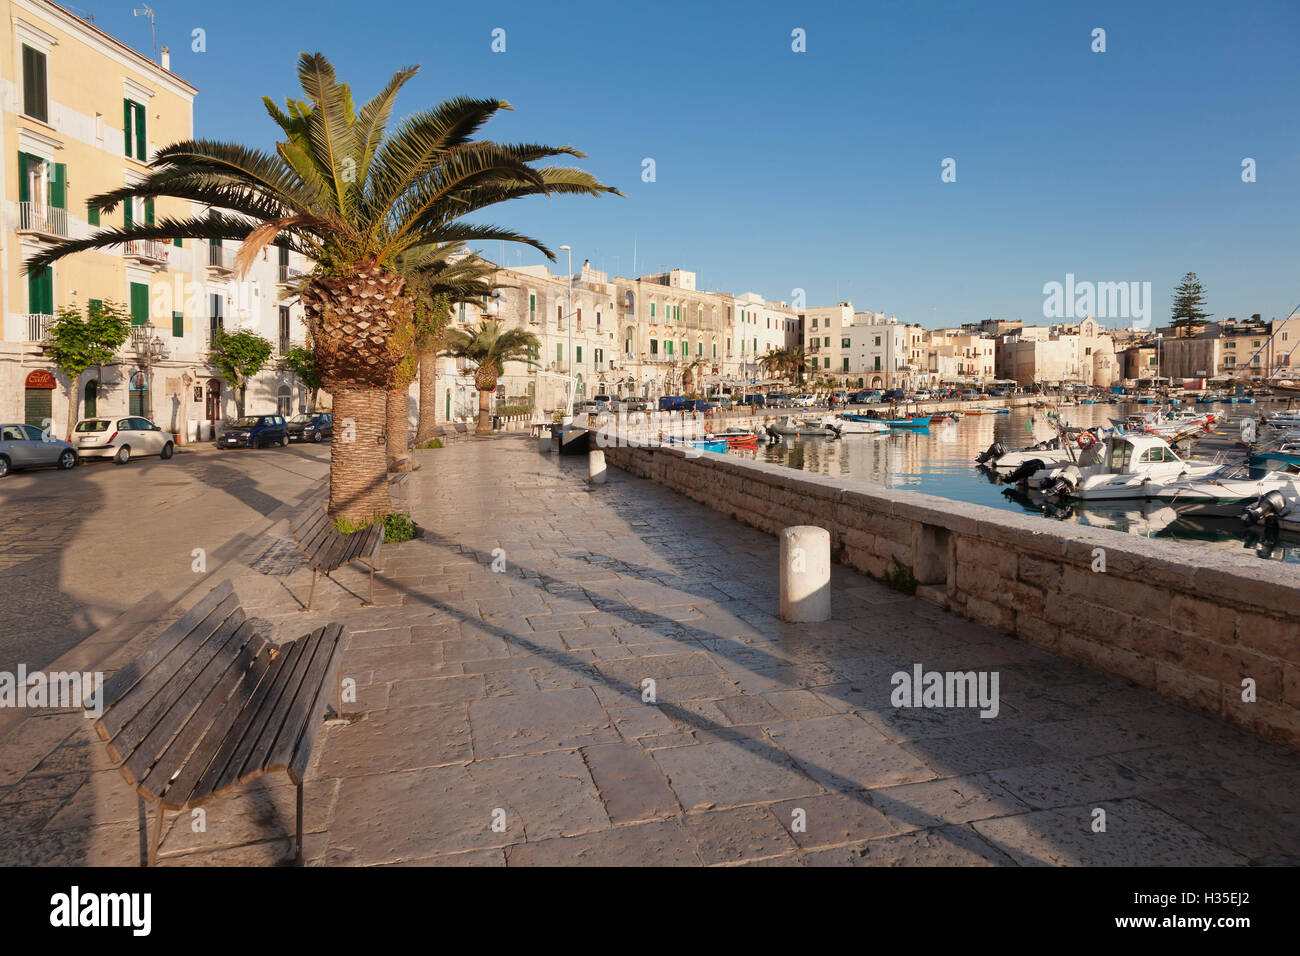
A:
{"points": [[148, 350], [568, 408]]}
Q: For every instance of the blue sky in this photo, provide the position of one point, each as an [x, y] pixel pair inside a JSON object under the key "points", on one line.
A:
{"points": [[820, 170]]}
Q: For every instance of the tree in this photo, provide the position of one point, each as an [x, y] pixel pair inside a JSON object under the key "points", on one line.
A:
{"points": [[690, 372], [343, 192], [75, 343], [1188, 310], [489, 347], [302, 363], [238, 356]]}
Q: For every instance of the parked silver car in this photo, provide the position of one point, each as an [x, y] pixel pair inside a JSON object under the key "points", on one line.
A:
{"points": [[26, 446], [121, 439]]}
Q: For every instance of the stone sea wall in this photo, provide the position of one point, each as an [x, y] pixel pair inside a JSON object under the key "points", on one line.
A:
{"points": [[1196, 625]]}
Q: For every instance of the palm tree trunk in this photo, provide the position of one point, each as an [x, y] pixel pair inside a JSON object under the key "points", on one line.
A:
{"points": [[358, 460], [427, 428], [484, 412], [398, 427]]}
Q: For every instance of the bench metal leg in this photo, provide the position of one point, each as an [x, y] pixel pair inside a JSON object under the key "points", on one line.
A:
{"points": [[299, 827], [312, 595], [149, 848], [371, 602]]}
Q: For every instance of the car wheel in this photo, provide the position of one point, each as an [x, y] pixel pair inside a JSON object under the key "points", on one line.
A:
{"points": [[68, 459], [166, 452], [257, 443], [316, 437], [123, 455], [4, 466]]}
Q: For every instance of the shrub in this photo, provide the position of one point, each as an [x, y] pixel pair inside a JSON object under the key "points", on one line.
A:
{"points": [[431, 443], [398, 527]]}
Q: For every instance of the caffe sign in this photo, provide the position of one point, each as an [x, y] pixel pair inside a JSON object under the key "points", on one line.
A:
{"points": [[41, 378]]}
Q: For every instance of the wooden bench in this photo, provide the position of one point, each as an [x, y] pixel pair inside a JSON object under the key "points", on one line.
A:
{"points": [[327, 550], [212, 704]]}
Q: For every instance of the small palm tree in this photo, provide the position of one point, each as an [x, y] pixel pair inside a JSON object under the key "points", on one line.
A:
{"points": [[489, 347], [775, 363], [342, 191]]}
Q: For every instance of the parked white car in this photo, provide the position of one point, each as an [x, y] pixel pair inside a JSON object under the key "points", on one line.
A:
{"points": [[805, 400], [26, 446], [121, 439]]}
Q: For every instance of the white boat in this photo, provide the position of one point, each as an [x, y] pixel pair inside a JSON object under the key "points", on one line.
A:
{"points": [[1226, 492], [846, 427], [1128, 466], [1280, 506], [798, 428]]}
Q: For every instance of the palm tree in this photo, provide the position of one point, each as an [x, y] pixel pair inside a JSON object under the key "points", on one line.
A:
{"points": [[341, 191], [489, 347], [437, 277], [775, 362]]}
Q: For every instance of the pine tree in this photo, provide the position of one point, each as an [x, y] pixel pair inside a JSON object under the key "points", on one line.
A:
{"points": [[1188, 310]]}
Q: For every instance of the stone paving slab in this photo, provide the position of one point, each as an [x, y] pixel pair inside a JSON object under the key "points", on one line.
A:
{"points": [[502, 717]]}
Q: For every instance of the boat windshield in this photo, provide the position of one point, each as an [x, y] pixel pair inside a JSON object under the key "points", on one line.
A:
{"points": [[1121, 453]]}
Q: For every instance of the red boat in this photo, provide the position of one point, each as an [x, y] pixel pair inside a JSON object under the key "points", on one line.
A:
{"points": [[736, 437]]}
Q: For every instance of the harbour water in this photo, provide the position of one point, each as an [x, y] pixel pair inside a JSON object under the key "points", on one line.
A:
{"points": [[940, 460]]}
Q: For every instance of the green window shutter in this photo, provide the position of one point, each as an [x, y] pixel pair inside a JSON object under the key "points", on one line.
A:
{"points": [[40, 292], [128, 213], [59, 187], [668, 344], [579, 351], [92, 214], [652, 310], [35, 99], [139, 303], [559, 352], [126, 126], [140, 152], [176, 243], [24, 194], [715, 349], [96, 306], [148, 212], [178, 324]]}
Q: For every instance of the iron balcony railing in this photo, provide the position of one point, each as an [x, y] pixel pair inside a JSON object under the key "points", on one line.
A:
{"points": [[49, 220], [38, 323], [148, 249]]}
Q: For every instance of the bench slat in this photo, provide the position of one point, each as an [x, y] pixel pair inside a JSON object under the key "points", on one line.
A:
{"points": [[135, 699], [121, 681], [168, 681], [177, 789], [270, 684], [286, 726], [296, 764], [175, 725]]}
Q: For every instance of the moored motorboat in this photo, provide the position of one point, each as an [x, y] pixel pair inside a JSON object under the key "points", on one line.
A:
{"points": [[1126, 466], [797, 428]]}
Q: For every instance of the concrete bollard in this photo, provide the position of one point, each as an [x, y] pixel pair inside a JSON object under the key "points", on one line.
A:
{"points": [[544, 443], [805, 574], [596, 466]]}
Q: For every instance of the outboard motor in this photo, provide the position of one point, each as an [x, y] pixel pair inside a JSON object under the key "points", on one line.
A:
{"points": [[1066, 480], [773, 436], [1033, 466], [1268, 507], [994, 451]]}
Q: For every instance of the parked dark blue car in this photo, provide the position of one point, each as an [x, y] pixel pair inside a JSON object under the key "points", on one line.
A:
{"points": [[255, 431]]}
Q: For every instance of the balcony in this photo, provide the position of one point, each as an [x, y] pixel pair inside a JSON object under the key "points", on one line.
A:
{"points": [[38, 323], [42, 220], [147, 250], [221, 260]]}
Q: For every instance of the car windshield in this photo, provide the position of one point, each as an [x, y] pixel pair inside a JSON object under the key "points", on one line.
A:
{"points": [[247, 422], [93, 425], [299, 419]]}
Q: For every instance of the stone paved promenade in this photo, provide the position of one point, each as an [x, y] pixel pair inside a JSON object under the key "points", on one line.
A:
{"points": [[515, 696]]}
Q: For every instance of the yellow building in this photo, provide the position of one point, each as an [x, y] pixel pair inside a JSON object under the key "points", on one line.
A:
{"points": [[82, 114]]}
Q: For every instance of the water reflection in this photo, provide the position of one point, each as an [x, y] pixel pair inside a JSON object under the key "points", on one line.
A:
{"points": [[940, 460]]}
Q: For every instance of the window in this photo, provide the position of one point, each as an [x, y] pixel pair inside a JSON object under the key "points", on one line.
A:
{"points": [[579, 326], [877, 368], [41, 182], [559, 353], [216, 321], [654, 347], [139, 303], [92, 214], [91, 399], [532, 307], [284, 330], [814, 325], [284, 401], [668, 344], [178, 324], [844, 343], [578, 349], [460, 312], [826, 363], [826, 341], [40, 292], [559, 316], [652, 310], [715, 349], [35, 94], [699, 348], [846, 363], [133, 129], [877, 341]]}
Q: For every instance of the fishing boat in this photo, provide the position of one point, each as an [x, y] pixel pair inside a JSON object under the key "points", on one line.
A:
{"points": [[920, 421], [1278, 507], [718, 445], [1279, 456], [735, 436], [847, 426], [797, 428], [1226, 492], [1127, 466]]}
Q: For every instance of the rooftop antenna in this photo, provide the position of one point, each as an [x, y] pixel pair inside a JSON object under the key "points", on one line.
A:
{"points": [[153, 26]]}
